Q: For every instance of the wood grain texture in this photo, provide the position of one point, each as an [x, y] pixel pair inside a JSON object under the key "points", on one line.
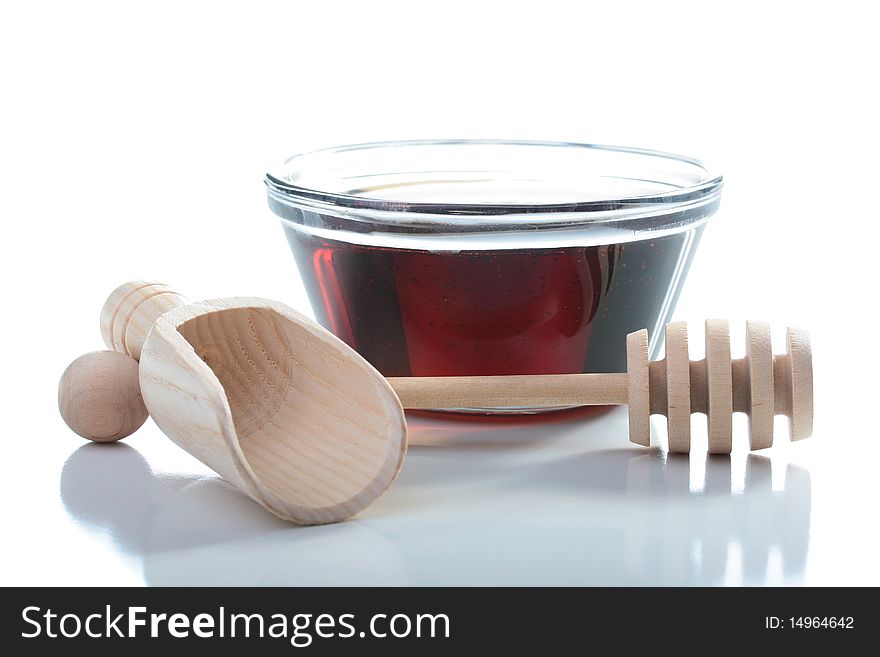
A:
{"points": [[131, 309], [759, 392], [638, 389], [534, 390], [99, 397], [275, 404], [797, 382], [719, 387], [678, 387]]}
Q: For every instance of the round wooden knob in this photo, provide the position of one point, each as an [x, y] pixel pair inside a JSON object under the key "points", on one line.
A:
{"points": [[100, 398]]}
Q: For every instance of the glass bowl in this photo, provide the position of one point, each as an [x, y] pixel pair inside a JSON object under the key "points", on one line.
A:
{"points": [[465, 257]]}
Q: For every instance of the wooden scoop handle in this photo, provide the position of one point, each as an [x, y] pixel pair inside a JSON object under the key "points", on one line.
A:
{"points": [[130, 312]]}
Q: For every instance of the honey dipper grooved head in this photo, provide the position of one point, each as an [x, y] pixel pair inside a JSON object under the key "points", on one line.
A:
{"points": [[760, 384]]}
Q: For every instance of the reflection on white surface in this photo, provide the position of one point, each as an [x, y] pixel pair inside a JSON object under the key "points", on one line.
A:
{"points": [[475, 504], [202, 531]]}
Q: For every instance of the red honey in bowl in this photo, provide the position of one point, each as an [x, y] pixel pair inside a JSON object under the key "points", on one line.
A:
{"points": [[511, 311]]}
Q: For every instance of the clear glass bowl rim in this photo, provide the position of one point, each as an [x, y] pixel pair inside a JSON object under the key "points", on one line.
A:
{"points": [[708, 189]]}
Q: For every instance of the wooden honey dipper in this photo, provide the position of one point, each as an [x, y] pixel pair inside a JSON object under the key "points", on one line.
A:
{"points": [[761, 385], [305, 426]]}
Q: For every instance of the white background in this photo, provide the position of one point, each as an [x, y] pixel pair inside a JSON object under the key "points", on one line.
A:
{"points": [[133, 140]]}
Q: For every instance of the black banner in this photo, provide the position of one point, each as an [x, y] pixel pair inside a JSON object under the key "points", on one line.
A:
{"points": [[431, 621]]}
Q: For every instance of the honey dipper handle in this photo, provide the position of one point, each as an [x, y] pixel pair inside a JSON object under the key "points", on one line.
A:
{"points": [[521, 391], [130, 311]]}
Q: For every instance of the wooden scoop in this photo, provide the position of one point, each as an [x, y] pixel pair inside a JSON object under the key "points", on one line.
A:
{"points": [[275, 404], [305, 426]]}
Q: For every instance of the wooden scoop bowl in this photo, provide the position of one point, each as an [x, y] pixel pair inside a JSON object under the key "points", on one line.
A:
{"points": [[271, 401], [305, 426]]}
